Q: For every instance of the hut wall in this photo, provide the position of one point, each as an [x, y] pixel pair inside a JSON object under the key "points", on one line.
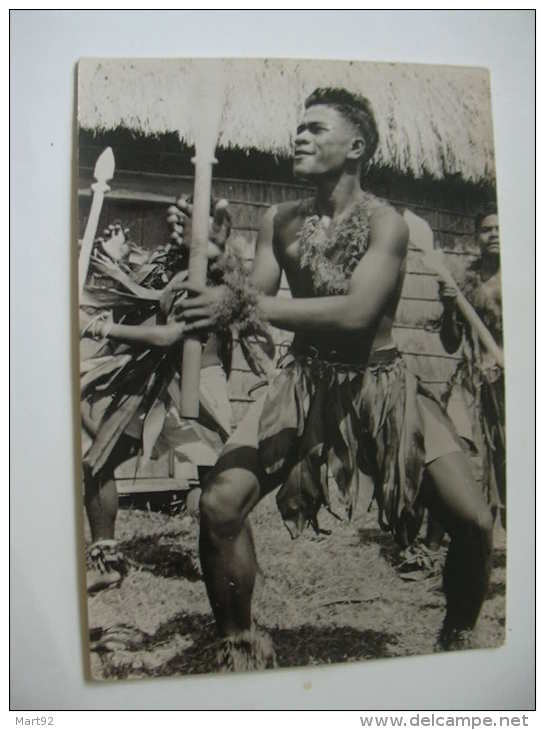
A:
{"points": [[140, 201]]}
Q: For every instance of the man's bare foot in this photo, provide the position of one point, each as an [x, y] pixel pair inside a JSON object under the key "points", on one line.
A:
{"points": [[455, 640], [245, 652], [420, 562]]}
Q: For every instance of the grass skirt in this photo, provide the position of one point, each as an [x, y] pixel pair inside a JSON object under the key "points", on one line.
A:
{"points": [[360, 425], [475, 402]]}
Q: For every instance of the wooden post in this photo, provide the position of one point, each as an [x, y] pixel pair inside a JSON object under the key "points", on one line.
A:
{"points": [[209, 97], [198, 263]]}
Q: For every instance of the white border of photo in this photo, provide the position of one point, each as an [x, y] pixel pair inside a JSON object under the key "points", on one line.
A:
{"points": [[47, 650]]}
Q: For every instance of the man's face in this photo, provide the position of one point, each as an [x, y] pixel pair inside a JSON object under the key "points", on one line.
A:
{"points": [[323, 142], [489, 236]]}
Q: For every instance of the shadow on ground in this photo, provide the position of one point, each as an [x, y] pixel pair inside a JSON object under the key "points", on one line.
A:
{"points": [[195, 647], [162, 555], [327, 645], [388, 547]]}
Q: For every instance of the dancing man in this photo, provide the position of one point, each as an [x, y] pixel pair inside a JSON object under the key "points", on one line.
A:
{"points": [[476, 398], [138, 368], [343, 400]]}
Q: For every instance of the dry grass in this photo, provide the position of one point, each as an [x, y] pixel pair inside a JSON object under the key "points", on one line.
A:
{"points": [[430, 118]]}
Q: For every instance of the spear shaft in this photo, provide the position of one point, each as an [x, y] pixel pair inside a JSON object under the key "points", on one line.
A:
{"points": [[198, 262], [209, 100]]}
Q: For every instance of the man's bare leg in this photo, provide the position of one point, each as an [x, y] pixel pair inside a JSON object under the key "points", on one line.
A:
{"points": [[457, 503], [228, 559], [101, 503], [101, 498], [105, 565], [499, 469], [226, 546], [228, 556], [435, 533]]}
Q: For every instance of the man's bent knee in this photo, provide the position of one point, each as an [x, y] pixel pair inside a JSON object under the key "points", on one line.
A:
{"points": [[480, 523], [484, 519], [222, 507]]}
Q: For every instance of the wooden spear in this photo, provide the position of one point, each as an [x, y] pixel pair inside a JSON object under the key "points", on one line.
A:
{"points": [[104, 171], [421, 236], [209, 102]]}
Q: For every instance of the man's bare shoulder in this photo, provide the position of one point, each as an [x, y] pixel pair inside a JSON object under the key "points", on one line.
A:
{"points": [[282, 213], [388, 230], [286, 219], [288, 211], [280, 224]]}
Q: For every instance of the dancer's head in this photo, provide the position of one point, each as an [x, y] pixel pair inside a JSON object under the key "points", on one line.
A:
{"points": [[338, 131], [487, 230]]}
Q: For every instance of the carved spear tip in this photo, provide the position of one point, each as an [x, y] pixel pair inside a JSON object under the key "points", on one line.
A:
{"points": [[105, 166]]}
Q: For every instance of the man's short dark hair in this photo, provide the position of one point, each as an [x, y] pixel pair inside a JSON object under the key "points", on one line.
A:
{"points": [[354, 107], [488, 209]]}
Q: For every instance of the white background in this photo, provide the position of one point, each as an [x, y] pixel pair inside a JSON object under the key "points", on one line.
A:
{"points": [[46, 603]]}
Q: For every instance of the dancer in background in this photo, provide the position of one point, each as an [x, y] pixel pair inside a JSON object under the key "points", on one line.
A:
{"points": [[344, 399], [476, 397], [128, 405]]}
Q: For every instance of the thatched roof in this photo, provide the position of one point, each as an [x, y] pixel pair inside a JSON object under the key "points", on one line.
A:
{"points": [[434, 119]]}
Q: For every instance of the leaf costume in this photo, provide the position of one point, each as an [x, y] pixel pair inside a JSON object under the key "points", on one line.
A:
{"points": [[475, 397], [133, 390]]}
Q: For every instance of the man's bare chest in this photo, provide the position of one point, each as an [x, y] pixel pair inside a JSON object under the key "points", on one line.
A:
{"points": [[487, 296], [320, 253], [288, 254]]}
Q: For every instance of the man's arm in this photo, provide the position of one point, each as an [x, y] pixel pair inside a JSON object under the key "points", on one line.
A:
{"points": [[156, 335], [159, 335], [266, 271], [372, 285], [199, 310], [450, 332]]}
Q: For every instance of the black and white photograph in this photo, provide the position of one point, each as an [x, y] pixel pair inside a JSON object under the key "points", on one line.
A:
{"points": [[291, 364]]}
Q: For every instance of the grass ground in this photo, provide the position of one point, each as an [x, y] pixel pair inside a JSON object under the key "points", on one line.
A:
{"points": [[323, 598]]}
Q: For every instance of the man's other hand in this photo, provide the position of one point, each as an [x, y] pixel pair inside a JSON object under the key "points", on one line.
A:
{"points": [[447, 295], [179, 220], [200, 309]]}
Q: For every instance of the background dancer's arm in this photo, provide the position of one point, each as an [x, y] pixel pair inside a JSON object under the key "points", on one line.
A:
{"points": [[159, 335], [156, 335], [451, 328]]}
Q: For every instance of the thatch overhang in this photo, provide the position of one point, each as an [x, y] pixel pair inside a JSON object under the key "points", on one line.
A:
{"points": [[433, 120]]}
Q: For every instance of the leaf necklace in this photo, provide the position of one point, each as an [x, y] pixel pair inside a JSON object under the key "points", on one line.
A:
{"points": [[332, 252]]}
